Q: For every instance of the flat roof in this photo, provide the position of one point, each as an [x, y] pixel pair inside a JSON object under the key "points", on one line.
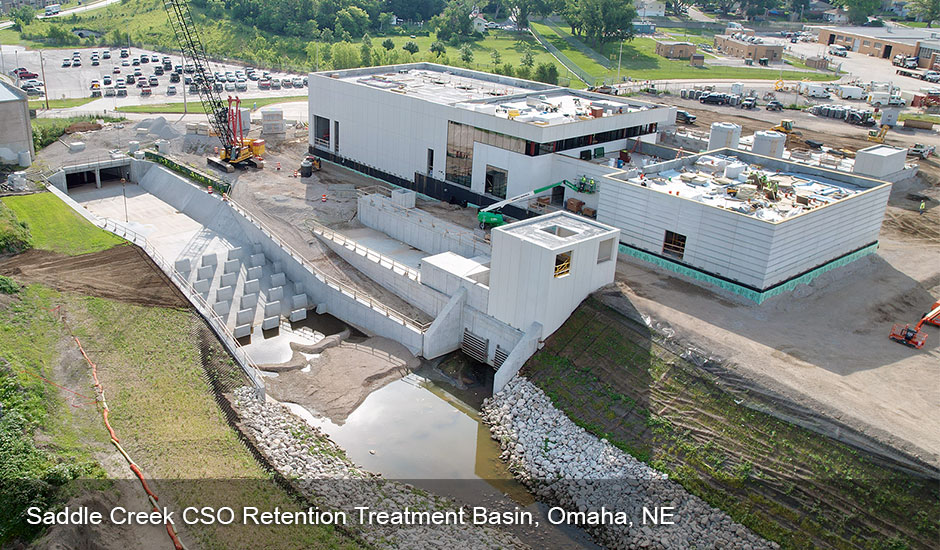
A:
{"points": [[722, 181], [907, 35], [749, 43], [7, 93], [557, 229], [510, 98], [883, 151]]}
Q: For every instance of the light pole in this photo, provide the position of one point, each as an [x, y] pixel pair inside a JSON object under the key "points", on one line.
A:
{"points": [[45, 88], [619, 59], [124, 192]]}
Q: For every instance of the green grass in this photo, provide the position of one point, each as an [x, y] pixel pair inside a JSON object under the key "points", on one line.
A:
{"points": [[196, 107], [56, 227], [640, 62], [788, 484], [920, 116], [14, 233], [60, 103]]}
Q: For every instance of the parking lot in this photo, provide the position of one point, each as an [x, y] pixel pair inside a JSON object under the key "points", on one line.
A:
{"points": [[65, 82]]}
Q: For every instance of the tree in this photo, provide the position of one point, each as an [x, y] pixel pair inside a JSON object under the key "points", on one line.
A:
{"points": [[410, 47], [466, 54], [523, 72], [438, 48], [454, 23], [677, 7], [859, 10], [572, 12], [928, 10], [327, 36], [496, 57], [365, 51], [528, 60], [605, 20], [507, 69], [355, 20], [547, 73], [388, 44], [345, 56], [22, 17], [524, 9]]}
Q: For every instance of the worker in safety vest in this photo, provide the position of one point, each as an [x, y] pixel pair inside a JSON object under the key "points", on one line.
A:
{"points": [[923, 207]]}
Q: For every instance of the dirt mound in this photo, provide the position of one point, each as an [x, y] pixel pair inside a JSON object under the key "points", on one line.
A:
{"points": [[121, 273], [82, 127]]}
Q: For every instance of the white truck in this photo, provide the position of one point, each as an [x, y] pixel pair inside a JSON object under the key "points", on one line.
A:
{"points": [[885, 99], [817, 91], [837, 50], [52, 9], [851, 92]]}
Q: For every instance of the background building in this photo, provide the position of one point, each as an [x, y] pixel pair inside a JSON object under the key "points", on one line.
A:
{"points": [[675, 50], [885, 42], [745, 49], [17, 135], [650, 8]]}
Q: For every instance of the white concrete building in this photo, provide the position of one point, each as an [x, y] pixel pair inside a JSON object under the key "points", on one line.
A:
{"points": [[463, 135], [650, 8], [16, 139], [880, 161]]}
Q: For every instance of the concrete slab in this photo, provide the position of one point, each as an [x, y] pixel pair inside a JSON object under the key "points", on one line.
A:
{"points": [[385, 245], [229, 279], [254, 273], [249, 301], [205, 272], [278, 279], [252, 286], [271, 322], [183, 265], [241, 331], [209, 259], [272, 308], [298, 301], [244, 316], [222, 308], [298, 314], [276, 293], [232, 266], [226, 293], [256, 260]]}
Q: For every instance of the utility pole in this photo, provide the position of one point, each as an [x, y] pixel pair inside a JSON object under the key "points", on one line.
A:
{"points": [[619, 59], [45, 88], [183, 83]]}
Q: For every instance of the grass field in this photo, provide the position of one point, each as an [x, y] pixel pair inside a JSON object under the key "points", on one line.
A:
{"points": [[14, 234], [640, 62], [786, 483], [196, 106], [60, 103], [56, 227]]}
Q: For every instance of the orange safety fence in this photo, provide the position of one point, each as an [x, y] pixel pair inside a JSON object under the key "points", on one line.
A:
{"points": [[99, 398]]}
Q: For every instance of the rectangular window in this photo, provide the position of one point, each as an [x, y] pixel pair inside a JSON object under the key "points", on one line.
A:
{"points": [[562, 264], [336, 136], [866, 43], [430, 162], [878, 45], [496, 180], [605, 250], [674, 245]]}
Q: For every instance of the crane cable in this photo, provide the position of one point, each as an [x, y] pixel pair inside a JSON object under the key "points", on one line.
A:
{"points": [[103, 404]]}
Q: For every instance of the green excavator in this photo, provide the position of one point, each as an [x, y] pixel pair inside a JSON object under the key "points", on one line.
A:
{"points": [[489, 218]]}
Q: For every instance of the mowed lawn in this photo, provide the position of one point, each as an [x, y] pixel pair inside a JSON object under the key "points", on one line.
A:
{"points": [[196, 106], [56, 227]]}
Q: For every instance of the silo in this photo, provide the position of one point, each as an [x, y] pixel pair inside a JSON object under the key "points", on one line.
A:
{"points": [[724, 134], [769, 144]]}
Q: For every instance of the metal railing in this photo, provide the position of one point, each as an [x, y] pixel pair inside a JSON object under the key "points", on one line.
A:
{"points": [[461, 235], [366, 252], [357, 295], [248, 366], [582, 75]]}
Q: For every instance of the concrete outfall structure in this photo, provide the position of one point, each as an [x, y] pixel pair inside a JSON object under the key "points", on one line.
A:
{"points": [[565, 465], [16, 139]]}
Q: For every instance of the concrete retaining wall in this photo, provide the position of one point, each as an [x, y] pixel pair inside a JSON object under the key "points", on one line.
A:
{"points": [[527, 346], [446, 332]]}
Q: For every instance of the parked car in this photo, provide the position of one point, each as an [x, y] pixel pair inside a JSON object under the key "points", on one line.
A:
{"points": [[125, 63], [146, 91], [685, 116], [66, 62], [135, 62], [714, 98], [171, 90], [174, 77], [275, 84], [116, 70], [286, 83], [110, 91], [241, 86], [264, 84], [95, 62], [774, 106], [131, 79], [145, 58], [749, 103], [76, 62], [229, 86], [106, 54], [153, 81], [125, 53], [106, 80], [158, 70], [931, 76], [122, 92], [297, 82]]}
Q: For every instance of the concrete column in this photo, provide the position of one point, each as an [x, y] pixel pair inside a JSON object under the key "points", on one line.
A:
{"points": [[97, 178]]}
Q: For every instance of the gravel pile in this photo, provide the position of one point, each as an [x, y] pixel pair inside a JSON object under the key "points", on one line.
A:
{"points": [[564, 464], [320, 470]]}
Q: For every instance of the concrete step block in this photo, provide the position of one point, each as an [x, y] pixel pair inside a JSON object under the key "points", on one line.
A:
{"points": [[229, 279], [278, 267], [298, 314], [183, 266], [278, 279], [256, 260], [202, 286], [244, 316], [236, 254], [225, 293], [205, 272], [242, 330], [298, 301], [210, 259], [252, 286], [258, 248], [271, 322], [249, 301], [254, 273], [276, 293], [298, 288], [272, 308], [231, 266], [222, 308]]}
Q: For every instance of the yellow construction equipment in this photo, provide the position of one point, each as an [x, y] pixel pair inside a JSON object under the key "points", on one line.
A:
{"points": [[878, 136], [786, 127]]}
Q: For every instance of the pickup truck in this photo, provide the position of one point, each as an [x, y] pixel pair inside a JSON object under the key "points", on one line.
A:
{"points": [[749, 103], [685, 116], [920, 150]]}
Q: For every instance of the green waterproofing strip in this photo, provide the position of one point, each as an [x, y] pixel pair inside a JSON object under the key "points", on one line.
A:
{"points": [[750, 294], [188, 172]]}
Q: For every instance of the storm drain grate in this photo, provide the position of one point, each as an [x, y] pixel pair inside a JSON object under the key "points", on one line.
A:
{"points": [[474, 346], [500, 356]]}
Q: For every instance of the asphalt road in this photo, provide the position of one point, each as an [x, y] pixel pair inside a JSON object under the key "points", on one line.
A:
{"points": [[78, 9]]}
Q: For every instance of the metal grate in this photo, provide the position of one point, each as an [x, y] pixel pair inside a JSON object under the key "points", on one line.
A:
{"points": [[474, 346], [500, 357]]}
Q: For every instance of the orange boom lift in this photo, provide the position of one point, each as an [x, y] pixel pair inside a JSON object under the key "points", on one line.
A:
{"points": [[915, 337]]}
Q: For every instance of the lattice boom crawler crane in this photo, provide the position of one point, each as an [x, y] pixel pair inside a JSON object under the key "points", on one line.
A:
{"points": [[225, 120]]}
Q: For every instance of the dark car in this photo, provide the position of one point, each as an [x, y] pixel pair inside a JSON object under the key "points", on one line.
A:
{"points": [[174, 77], [774, 106], [685, 116], [714, 99]]}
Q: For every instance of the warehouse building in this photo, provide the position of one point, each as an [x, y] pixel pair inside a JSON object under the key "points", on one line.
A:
{"points": [[748, 48], [16, 140], [885, 42], [466, 136], [675, 50]]}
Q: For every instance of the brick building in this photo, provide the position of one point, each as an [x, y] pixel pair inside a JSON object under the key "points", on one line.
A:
{"points": [[675, 50], [884, 42], [748, 50]]}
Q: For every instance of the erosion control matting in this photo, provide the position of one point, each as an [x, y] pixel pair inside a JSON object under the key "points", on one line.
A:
{"points": [[123, 273]]}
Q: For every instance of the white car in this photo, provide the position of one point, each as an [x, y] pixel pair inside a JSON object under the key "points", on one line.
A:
{"points": [[932, 76]]}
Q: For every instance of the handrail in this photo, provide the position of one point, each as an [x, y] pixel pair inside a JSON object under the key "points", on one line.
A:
{"points": [[252, 370], [369, 253], [361, 297], [462, 235]]}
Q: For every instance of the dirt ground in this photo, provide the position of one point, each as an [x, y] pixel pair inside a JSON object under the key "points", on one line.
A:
{"points": [[122, 273]]}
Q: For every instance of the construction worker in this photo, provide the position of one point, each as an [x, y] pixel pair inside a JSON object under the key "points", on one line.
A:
{"points": [[923, 207]]}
